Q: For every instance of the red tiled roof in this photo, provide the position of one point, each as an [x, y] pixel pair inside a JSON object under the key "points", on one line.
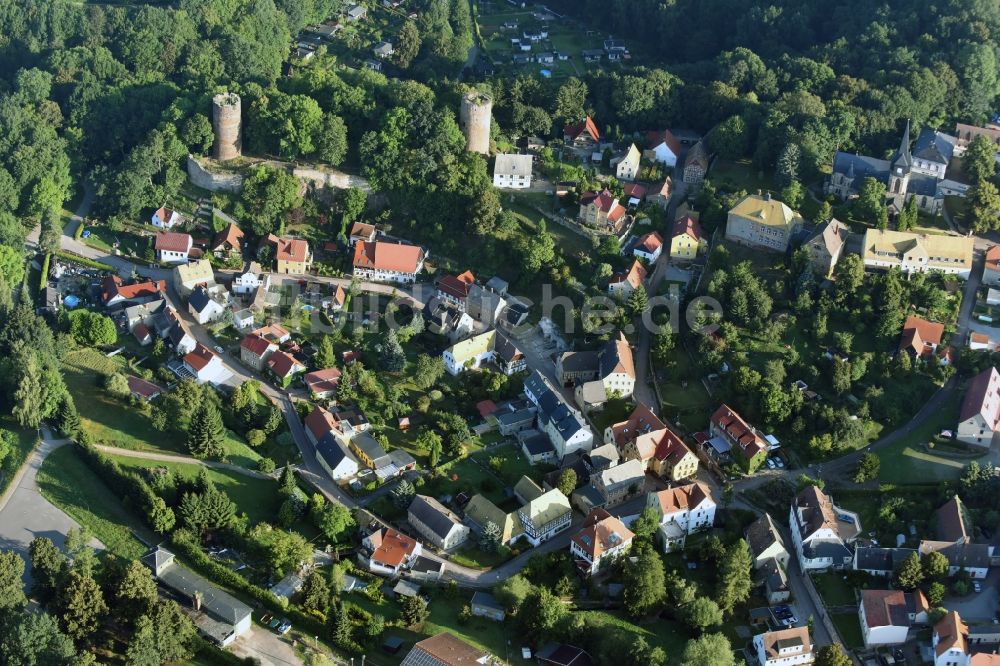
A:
{"points": [[281, 363], [601, 532], [993, 258], [951, 633], [199, 357], [321, 381], [319, 422], [670, 448], [112, 286], [446, 650], [171, 241], [273, 332], [681, 498], [664, 136], [384, 256], [391, 547], [603, 200], [587, 125], [339, 296], [486, 407], [635, 275], [641, 421], [456, 285], [634, 190], [688, 225], [231, 236], [362, 230], [142, 388], [256, 344], [919, 335], [140, 332], [651, 242], [739, 432], [289, 249]]}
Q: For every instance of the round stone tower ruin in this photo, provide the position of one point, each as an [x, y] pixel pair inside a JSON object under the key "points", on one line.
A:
{"points": [[227, 125], [475, 117]]}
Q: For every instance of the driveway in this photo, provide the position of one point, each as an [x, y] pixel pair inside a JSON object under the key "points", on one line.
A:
{"points": [[266, 646], [25, 514], [980, 607]]}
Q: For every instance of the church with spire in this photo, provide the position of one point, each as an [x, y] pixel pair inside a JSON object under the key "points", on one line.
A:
{"points": [[918, 173]]}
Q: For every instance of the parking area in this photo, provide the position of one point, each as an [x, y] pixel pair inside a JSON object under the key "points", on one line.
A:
{"points": [[978, 607]]}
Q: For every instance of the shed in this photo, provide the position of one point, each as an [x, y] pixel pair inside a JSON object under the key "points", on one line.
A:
{"points": [[485, 605]]}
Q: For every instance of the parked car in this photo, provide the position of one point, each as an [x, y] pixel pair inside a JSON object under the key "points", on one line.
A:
{"points": [[977, 586], [284, 627]]}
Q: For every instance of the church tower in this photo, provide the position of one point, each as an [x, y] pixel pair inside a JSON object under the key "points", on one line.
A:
{"points": [[899, 170]]}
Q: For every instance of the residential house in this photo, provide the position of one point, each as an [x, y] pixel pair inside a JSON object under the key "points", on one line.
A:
{"points": [[292, 256], [887, 615], [881, 562], [627, 166], [480, 512], [344, 425], [355, 13], [622, 285], [192, 274], [172, 327], [446, 650], [322, 384], [436, 523], [621, 482], [284, 367], [696, 164], [672, 459], [774, 581], [172, 247], [560, 654], [682, 511], [599, 375], [826, 246], [602, 457], [786, 647], [966, 134], [821, 531], [115, 292], [952, 525], [275, 333], [216, 614], [635, 193], [602, 539], [660, 193], [388, 262], [664, 147], [565, 427], [142, 390], [228, 242], [920, 337], [512, 171], [388, 552], [739, 437], [368, 450], [766, 542], [601, 209], [361, 231], [762, 222], [250, 281], [515, 419], [334, 457], [536, 446], [383, 50], [485, 304], [526, 490], [991, 270], [950, 641], [255, 351], [649, 247], [444, 318], [979, 418], [166, 218], [647, 439], [205, 366], [484, 604], [454, 289], [687, 239], [144, 314], [545, 516], [493, 346], [918, 253], [583, 134], [142, 334], [208, 304]]}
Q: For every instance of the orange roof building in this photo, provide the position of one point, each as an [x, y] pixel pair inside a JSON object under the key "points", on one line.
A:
{"points": [[390, 550], [602, 539], [749, 447], [582, 132], [322, 383], [388, 262], [920, 337], [625, 283]]}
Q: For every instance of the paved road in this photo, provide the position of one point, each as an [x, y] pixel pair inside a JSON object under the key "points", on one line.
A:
{"points": [[25, 514]]}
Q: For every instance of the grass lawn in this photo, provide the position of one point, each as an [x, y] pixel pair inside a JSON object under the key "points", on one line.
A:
{"points": [[113, 423], [258, 498], [739, 175], [513, 464], [849, 628], [685, 402], [906, 460], [127, 243], [834, 590], [66, 481], [25, 442], [668, 635]]}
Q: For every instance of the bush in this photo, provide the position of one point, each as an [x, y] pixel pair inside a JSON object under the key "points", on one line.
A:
{"points": [[265, 465], [156, 514]]}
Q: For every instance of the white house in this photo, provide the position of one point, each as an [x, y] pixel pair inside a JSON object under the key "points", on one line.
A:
{"points": [[512, 171], [382, 261], [192, 274], [950, 641], [887, 615], [208, 304], [336, 459], [250, 281], [565, 427], [980, 413], [664, 147], [788, 647], [205, 366], [766, 542], [649, 247], [602, 539], [821, 531], [166, 218], [436, 523], [172, 248], [683, 510], [387, 551], [545, 516], [627, 166]]}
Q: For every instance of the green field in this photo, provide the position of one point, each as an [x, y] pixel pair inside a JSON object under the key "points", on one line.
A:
{"points": [[66, 481], [849, 627], [834, 590], [114, 423]]}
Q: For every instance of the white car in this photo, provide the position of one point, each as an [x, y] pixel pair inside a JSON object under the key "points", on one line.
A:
{"points": [[218, 349], [977, 586], [770, 464]]}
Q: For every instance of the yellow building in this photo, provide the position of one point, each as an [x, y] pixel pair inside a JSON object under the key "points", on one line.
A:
{"points": [[687, 238], [763, 222]]}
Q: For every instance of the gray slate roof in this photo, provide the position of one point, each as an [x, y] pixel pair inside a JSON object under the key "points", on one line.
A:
{"points": [[881, 559], [434, 515], [934, 146]]}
